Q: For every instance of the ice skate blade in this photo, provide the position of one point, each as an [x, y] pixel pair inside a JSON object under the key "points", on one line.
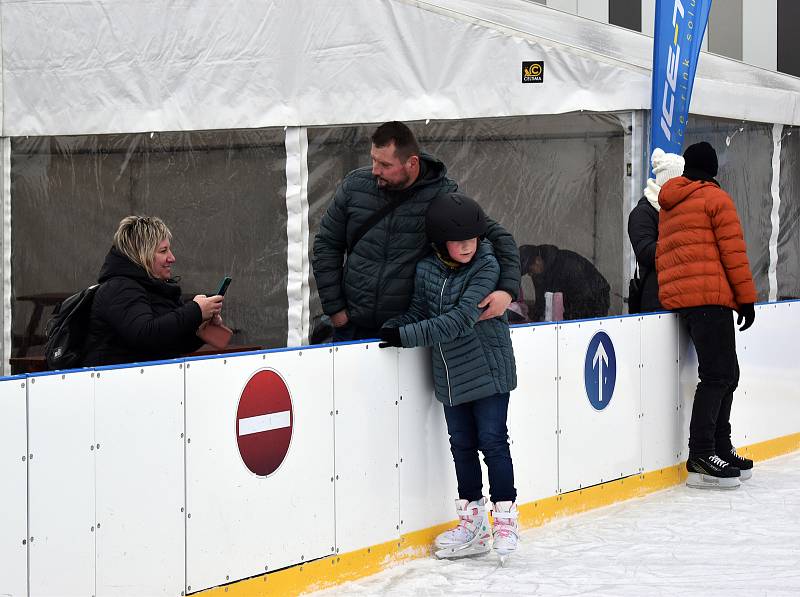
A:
{"points": [[465, 551], [701, 481], [745, 475], [503, 557]]}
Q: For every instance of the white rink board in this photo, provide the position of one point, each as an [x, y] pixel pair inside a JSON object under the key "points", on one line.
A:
{"points": [[61, 484], [533, 412], [766, 403], [239, 524], [14, 496], [596, 446], [662, 437], [366, 401], [427, 475], [140, 477]]}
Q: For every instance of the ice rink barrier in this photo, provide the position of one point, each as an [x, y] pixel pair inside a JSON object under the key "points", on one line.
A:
{"points": [[299, 468]]}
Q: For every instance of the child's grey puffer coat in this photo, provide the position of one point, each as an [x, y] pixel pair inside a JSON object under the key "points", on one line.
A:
{"points": [[471, 359]]}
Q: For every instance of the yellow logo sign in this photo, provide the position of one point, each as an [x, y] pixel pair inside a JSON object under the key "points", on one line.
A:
{"points": [[533, 72]]}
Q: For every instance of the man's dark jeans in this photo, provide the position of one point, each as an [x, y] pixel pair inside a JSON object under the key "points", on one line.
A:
{"points": [[481, 425], [712, 331]]}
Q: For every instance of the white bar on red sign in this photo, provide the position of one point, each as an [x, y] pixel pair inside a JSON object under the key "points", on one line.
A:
{"points": [[268, 422]]}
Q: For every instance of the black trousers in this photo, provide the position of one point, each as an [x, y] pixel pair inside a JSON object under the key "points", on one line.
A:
{"points": [[713, 334]]}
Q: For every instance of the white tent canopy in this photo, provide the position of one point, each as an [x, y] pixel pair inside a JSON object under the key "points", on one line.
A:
{"points": [[112, 107], [94, 67]]}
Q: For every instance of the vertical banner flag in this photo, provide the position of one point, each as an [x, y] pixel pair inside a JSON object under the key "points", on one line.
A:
{"points": [[678, 34]]}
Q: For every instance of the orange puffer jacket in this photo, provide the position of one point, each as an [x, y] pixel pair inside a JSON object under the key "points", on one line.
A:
{"points": [[701, 256]]}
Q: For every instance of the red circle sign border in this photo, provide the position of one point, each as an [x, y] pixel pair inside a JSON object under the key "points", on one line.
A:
{"points": [[236, 422]]}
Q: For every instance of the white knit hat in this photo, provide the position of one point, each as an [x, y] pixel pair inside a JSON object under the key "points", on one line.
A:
{"points": [[666, 165]]}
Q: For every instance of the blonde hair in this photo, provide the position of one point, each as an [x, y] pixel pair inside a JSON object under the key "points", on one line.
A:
{"points": [[138, 238]]}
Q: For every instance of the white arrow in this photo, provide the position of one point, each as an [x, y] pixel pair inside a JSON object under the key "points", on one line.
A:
{"points": [[600, 359]]}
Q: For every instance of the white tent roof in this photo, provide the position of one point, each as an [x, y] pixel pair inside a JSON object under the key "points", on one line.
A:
{"points": [[105, 66]]}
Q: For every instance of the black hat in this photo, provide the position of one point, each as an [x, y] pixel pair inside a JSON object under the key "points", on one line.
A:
{"points": [[454, 217], [701, 161]]}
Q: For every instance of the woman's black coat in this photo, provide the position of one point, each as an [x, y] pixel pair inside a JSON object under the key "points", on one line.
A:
{"points": [[643, 232], [137, 318]]}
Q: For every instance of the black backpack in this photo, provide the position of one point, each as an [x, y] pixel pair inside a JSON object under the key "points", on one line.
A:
{"points": [[67, 329]]}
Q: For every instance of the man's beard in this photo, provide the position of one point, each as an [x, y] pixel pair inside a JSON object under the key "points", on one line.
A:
{"points": [[385, 184]]}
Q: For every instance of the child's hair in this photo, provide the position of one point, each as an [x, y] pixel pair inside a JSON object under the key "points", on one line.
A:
{"points": [[454, 216], [138, 238]]}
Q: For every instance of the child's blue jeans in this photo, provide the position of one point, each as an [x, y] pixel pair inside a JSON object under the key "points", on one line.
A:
{"points": [[481, 425]]}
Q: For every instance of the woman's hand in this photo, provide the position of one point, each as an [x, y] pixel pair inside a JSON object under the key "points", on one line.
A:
{"points": [[209, 305]]}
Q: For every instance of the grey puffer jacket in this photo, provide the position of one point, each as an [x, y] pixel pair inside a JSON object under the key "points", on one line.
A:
{"points": [[471, 359], [377, 279]]}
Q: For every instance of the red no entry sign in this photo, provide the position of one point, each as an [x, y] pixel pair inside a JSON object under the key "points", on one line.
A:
{"points": [[264, 422]]}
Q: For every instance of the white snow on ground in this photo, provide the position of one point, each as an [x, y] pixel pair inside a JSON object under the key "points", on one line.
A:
{"points": [[685, 542]]}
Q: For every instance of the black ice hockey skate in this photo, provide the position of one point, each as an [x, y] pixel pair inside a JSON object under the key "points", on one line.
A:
{"points": [[711, 472], [745, 465]]}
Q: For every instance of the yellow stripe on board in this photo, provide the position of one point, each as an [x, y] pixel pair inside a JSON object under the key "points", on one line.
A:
{"points": [[335, 570]]}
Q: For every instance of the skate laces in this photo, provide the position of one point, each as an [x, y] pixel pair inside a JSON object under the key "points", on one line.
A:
{"points": [[505, 523], [717, 461], [735, 454], [468, 523], [503, 527]]}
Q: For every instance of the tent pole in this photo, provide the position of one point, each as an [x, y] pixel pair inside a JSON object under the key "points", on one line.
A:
{"points": [[775, 219], [297, 286], [5, 186]]}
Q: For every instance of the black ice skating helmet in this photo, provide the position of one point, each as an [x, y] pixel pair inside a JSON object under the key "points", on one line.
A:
{"points": [[454, 216]]}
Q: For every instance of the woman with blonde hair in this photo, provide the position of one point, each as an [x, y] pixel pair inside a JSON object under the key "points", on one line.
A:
{"points": [[137, 314]]}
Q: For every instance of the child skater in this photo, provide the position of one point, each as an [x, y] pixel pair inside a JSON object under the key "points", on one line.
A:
{"points": [[473, 370]]}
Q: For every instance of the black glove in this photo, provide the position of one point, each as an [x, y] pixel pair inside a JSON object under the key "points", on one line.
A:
{"points": [[390, 337], [747, 313]]}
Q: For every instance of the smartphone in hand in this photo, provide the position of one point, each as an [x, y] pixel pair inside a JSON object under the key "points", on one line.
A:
{"points": [[223, 286]]}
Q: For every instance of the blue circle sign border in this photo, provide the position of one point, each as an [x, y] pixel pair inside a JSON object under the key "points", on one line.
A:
{"points": [[595, 383]]}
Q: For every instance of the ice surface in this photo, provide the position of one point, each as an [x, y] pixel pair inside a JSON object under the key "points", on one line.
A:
{"points": [[682, 541]]}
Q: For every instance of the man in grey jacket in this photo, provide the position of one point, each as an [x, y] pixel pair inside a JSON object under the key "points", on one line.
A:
{"points": [[373, 234]]}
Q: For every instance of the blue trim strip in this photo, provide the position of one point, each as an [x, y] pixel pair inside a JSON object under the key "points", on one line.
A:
{"points": [[59, 372], [13, 377], [255, 352], [322, 346]]}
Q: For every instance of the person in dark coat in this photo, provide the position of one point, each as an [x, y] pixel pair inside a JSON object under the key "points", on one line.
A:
{"points": [[643, 226], [137, 313], [585, 291], [363, 282]]}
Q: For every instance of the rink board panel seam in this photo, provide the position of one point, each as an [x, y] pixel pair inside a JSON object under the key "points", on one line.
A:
{"points": [[335, 570]]}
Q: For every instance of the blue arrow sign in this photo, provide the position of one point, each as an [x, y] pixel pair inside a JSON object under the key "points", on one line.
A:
{"points": [[600, 370]]}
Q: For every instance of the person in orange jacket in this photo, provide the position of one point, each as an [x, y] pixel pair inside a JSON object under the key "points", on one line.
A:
{"points": [[704, 275]]}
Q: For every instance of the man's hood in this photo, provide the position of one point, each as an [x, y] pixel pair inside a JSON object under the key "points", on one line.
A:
{"points": [[678, 189], [431, 171]]}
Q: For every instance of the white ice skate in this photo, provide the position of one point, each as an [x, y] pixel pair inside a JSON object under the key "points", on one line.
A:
{"points": [[505, 530], [471, 536]]}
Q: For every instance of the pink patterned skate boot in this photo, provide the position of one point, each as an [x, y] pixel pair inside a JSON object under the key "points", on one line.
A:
{"points": [[505, 530], [471, 536]]}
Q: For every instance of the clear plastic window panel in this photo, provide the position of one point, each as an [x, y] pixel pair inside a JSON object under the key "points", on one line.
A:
{"points": [[221, 193], [555, 181], [744, 151], [789, 235]]}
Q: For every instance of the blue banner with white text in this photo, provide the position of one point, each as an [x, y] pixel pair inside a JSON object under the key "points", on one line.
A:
{"points": [[678, 34]]}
